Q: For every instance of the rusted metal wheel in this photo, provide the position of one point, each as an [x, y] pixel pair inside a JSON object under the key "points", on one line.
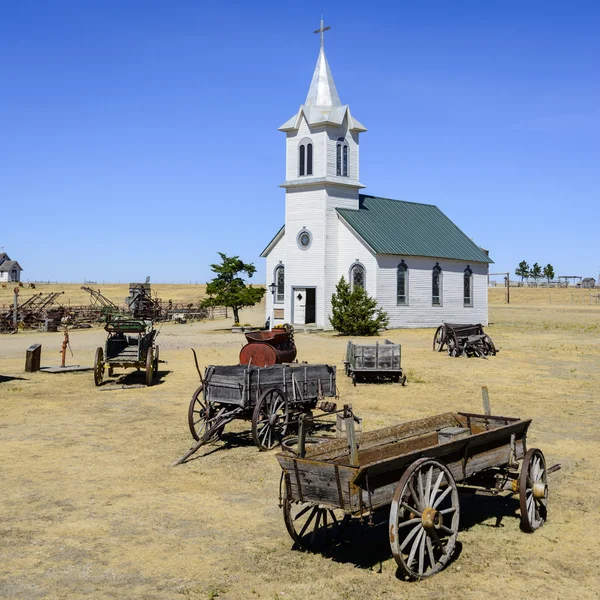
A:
{"points": [[99, 366], [533, 490], [150, 367], [200, 415], [313, 527], [424, 518], [438, 339], [270, 419]]}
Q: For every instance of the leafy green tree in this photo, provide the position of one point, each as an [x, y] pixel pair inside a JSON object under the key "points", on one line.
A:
{"points": [[536, 272], [549, 272], [228, 287], [355, 312], [523, 270]]}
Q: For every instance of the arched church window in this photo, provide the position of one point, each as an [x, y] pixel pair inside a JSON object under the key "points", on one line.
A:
{"points": [[402, 283], [468, 287], [301, 159], [341, 166], [357, 276], [309, 159], [280, 284], [436, 285]]}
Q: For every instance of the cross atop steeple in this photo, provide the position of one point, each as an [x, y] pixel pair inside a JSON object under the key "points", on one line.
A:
{"points": [[321, 30]]}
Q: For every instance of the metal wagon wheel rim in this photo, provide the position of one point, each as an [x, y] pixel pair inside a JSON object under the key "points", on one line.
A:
{"points": [[453, 345], [533, 491], [156, 360], [269, 419], [438, 339], [200, 416], [99, 366], [424, 519], [150, 367], [312, 526]]}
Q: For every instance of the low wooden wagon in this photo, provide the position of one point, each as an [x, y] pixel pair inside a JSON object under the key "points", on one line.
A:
{"points": [[272, 398], [418, 469], [374, 362], [463, 340], [130, 344]]}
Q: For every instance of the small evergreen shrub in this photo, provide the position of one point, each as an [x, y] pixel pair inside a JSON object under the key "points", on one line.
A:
{"points": [[355, 312]]}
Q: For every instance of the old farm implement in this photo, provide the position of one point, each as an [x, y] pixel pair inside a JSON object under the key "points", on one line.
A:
{"points": [[374, 362], [463, 340], [416, 468], [130, 344], [267, 348], [272, 398]]}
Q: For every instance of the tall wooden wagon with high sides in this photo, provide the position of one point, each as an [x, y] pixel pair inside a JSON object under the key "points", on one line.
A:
{"points": [[373, 362], [417, 469], [272, 398]]}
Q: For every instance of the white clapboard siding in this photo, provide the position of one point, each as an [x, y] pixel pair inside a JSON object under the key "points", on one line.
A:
{"points": [[419, 312], [274, 258]]}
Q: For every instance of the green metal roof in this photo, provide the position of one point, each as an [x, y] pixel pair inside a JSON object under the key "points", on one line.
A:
{"points": [[410, 229]]}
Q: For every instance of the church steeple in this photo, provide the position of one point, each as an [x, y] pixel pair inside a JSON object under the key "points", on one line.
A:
{"points": [[322, 91]]}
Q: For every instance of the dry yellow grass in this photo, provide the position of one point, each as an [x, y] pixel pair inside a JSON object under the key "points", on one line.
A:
{"points": [[91, 508]]}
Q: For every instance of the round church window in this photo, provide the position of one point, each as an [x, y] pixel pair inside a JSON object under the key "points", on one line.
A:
{"points": [[304, 239]]}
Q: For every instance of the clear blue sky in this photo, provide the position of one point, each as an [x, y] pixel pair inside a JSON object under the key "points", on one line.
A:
{"points": [[140, 137]]}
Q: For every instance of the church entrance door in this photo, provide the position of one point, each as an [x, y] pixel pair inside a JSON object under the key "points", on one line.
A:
{"points": [[304, 306]]}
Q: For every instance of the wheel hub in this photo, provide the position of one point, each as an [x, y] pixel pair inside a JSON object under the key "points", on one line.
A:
{"points": [[431, 518], [273, 419], [540, 490]]}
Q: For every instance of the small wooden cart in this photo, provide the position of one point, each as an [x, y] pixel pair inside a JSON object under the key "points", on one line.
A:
{"points": [[463, 340], [272, 398], [374, 362], [130, 344], [417, 468]]}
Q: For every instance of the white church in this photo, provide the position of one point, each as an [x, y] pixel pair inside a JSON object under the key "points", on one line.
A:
{"points": [[421, 267]]}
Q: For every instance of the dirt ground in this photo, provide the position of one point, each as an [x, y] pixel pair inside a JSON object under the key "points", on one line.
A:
{"points": [[91, 507]]}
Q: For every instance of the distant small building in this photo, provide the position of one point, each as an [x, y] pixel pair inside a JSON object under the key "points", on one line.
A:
{"points": [[588, 282], [10, 270]]}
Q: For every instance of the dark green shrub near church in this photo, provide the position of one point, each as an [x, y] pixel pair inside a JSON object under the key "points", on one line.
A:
{"points": [[354, 312]]}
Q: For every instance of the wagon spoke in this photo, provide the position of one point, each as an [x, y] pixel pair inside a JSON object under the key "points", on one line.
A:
{"points": [[316, 527], [447, 530], [421, 493], [410, 536], [414, 547], [442, 496], [447, 511], [414, 495], [422, 553], [411, 509], [334, 519], [409, 522], [430, 552], [308, 522], [302, 512], [436, 487], [438, 542], [428, 486]]}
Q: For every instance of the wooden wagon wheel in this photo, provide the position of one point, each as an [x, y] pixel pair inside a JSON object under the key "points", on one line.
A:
{"points": [[150, 367], [99, 366], [438, 339], [200, 415], [489, 345], [533, 490], [312, 526], [269, 419], [453, 345], [156, 360], [424, 518]]}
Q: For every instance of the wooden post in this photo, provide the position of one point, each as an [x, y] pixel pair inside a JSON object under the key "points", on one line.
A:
{"points": [[32, 358], [486, 401], [351, 438], [508, 288], [302, 436], [16, 309]]}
